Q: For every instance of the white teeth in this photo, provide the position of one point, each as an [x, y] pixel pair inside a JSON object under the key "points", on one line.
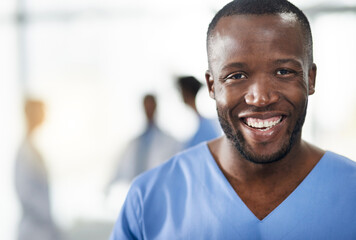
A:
{"points": [[261, 123]]}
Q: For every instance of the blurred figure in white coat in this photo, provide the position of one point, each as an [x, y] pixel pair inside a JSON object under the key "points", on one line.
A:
{"points": [[32, 184], [149, 149]]}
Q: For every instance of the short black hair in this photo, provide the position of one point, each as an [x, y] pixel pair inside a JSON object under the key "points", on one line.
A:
{"points": [[189, 84], [264, 7]]}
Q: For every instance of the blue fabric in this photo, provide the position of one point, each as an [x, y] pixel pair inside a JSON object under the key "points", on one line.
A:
{"points": [[208, 129], [188, 197], [144, 145]]}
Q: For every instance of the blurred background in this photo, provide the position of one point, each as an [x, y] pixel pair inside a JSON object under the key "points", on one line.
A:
{"points": [[92, 61]]}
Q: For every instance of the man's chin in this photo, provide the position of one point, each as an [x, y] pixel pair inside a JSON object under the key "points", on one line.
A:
{"points": [[264, 155], [251, 154], [264, 158]]}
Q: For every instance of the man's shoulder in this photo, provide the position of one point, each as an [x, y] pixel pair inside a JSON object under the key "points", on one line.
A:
{"points": [[340, 162], [339, 168]]}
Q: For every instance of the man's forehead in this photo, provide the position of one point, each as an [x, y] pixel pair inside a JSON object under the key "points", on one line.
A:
{"points": [[247, 34], [241, 25], [246, 20]]}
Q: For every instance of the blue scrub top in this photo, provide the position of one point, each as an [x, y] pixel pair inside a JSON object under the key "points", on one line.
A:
{"points": [[189, 198]]}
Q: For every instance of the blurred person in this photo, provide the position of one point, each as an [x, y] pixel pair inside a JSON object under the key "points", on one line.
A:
{"points": [[149, 149], [208, 129], [260, 180], [32, 182]]}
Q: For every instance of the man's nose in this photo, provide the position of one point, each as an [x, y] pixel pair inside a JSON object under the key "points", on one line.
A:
{"points": [[261, 93]]}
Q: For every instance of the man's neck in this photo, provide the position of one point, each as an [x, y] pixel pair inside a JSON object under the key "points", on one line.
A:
{"points": [[302, 158], [262, 187]]}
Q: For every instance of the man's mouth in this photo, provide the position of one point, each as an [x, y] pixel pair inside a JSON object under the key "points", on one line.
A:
{"points": [[262, 124]]}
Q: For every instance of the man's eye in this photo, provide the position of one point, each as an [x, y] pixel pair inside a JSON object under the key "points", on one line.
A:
{"points": [[283, 72], [236, 76]]}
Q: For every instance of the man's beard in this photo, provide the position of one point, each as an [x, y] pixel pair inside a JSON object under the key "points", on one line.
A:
{"points": [[239, 142]]}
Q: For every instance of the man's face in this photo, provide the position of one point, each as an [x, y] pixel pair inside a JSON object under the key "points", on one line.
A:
{"points": [[260, 78], [149, 104]]}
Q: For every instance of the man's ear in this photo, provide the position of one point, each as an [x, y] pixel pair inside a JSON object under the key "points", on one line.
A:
{"points": [[210, 83], [311, 79]]}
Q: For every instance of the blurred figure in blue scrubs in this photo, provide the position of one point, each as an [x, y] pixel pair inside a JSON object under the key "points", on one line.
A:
{"points": [[149, 149], [208, 129], [32, 182]]}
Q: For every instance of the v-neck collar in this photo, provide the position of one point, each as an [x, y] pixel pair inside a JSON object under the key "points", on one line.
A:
{"points": [[283, 216]]}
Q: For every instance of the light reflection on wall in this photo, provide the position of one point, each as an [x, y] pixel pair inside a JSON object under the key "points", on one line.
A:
{"points": [[11, 127], [335, 101]]}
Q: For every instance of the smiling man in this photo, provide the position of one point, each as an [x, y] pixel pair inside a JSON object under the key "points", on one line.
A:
{"points": [[260, 180]]}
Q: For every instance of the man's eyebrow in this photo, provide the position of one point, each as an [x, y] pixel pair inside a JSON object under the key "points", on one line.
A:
{"points": [[288, 60], [234, 65]]}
